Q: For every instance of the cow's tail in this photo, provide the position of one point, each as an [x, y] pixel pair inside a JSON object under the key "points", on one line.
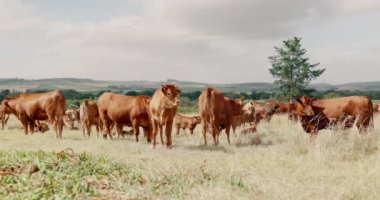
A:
{"points": [[209, 110], [370, 107], [83, 110], [60, 112]]}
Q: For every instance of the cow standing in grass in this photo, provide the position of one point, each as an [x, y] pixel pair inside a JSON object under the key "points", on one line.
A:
{"points": [[316, 114], [162, 109], [119, 110], [217, 112], [89, 116], [183, 122], [30, 107]]}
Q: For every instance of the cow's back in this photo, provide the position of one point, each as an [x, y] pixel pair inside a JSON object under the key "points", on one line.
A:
{"points": [[354, 106]]}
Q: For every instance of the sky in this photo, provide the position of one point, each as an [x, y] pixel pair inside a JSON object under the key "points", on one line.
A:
{"points": [[214, 41]]}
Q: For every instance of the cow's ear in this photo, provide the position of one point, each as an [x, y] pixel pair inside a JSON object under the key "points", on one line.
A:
{"points": [[299, 101], [178, 91], [5, 101], [164, 89]]}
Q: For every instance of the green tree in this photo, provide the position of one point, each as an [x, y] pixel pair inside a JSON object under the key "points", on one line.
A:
{"points": [[292, 70]]}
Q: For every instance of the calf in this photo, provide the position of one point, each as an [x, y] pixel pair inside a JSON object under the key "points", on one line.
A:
{"points": [[89, 116], [184, 122], [162, 109], [72, 116]]}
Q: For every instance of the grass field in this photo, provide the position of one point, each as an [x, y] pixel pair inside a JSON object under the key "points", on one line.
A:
{"points": [[278, 162]]}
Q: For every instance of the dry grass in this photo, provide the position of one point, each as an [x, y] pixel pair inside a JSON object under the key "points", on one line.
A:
{"points": [[278, 162]]}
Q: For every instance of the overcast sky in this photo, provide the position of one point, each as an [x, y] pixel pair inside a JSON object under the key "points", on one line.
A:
{"points": [[219, 41]]}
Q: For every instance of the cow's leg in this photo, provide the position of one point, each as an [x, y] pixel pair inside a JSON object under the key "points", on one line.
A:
{"points": [[154, 133], [25, 125], [2, 124], [228, 128], [168, 133], [160, 128], [119, 130], [83, 128], [177, 131], [204, 131], [136, 131], [88, 129], [60, 127], [32, 125], [148, 133], [215, 131], [97, 128], [107, 128], [6, 119], [191, 131], [363, 123]]}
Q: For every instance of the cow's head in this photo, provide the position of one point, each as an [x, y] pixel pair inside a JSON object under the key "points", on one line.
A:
{"points": [[5, 103], [304, 107], [171, 94], [197, 119], [269, 111], [42, 127]]}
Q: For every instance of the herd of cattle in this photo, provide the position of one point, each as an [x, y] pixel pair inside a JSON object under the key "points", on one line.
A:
{"points": [[152, 114]]}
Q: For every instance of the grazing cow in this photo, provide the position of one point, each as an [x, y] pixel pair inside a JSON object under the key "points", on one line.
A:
{"points": [[30, 107], [285, 108], [248, 117], [375, 108], [316, 114], [71, 116], [162, 109], [217, 112], [119, 110], [4, 116], [263, 112], [89, 116], [184, 122]]}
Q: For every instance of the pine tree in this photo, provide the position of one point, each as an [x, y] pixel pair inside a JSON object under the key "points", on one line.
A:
{"points": [[292, 70]]}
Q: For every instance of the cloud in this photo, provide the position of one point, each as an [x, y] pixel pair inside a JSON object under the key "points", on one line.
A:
{"points": [[14, 15], [208, 41]]}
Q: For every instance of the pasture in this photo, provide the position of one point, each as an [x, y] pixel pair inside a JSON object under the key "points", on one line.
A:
{"points": [[277, 162]]}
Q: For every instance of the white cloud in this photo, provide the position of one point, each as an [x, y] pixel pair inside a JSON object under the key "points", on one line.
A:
{"points": [[209, 41]]}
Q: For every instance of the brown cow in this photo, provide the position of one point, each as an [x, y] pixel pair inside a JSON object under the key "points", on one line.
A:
{"points": [[217, 111], [286, 108], [162, 109], [71, 116], [89, 116], [247, 117], [263, 112], [30, 107], [122, 110], [4, 116], [316, 114], [375, 108], [184, 122]]}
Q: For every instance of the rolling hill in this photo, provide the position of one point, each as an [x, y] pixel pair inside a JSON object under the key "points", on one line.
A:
{"points": [[98, 85]]}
